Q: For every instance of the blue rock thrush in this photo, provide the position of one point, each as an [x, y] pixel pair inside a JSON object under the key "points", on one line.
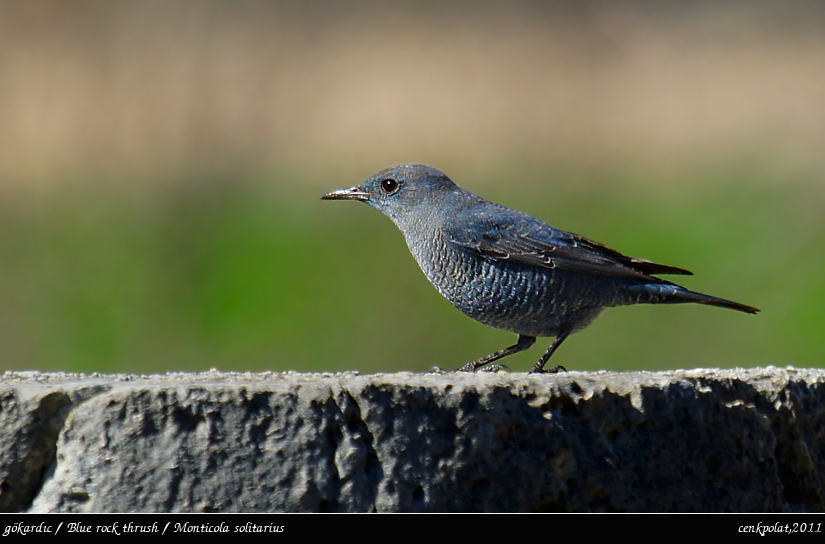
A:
{"points": [[509, 270]]}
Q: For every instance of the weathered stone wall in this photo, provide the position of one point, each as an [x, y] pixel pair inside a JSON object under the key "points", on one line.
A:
{"points": [[699, 440]]}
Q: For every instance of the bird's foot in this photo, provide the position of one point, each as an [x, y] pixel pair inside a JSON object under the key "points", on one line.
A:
{"points": [[471, 367], [494, 368], [555, 370]]}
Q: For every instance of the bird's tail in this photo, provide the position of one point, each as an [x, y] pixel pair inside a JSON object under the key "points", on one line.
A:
{"points": [[669, 293], [691, 296]]}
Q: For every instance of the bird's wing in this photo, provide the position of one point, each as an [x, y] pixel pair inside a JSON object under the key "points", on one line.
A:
{"points": [[499, 233]]}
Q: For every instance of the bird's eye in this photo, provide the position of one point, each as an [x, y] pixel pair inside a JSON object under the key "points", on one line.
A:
{"points": [[389, 186]]}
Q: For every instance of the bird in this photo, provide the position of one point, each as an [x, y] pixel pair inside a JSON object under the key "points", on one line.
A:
{"points": [[509, 270]]}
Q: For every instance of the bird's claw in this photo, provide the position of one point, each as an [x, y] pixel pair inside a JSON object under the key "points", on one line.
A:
{"points": [[494, 368], [554, 370], [469, 367]]}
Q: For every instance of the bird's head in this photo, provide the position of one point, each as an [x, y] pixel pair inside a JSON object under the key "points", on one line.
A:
{"points": [[403, 193]]}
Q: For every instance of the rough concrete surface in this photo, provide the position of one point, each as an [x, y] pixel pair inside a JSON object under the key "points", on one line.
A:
{"points": [[681, 441]]}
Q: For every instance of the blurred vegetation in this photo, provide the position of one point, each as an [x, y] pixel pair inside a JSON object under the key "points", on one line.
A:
{"points": [[161, 167]]}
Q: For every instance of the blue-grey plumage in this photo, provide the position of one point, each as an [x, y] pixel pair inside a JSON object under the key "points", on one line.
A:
{"points": [[508, 269]]}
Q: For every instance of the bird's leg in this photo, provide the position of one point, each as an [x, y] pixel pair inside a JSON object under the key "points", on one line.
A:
{"points": [[524, 342], [539, 368]]}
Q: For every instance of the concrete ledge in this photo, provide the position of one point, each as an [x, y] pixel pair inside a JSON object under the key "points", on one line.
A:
{"points": [[698, 440]]}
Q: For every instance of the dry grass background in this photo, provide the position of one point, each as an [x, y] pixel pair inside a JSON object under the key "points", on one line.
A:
{"points": [[160, 165], [127, 89]]}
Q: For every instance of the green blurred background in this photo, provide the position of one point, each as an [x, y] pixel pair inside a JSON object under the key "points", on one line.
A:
{"points": [[161, 167]]}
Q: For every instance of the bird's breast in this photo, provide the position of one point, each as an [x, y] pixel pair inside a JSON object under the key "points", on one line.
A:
{"points": [[504, 294]]}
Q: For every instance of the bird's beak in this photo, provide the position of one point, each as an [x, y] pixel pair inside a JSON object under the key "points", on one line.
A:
{"points": [[353, 193]]}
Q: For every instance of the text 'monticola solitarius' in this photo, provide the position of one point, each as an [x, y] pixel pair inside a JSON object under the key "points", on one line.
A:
{"points": [[509, 270]]}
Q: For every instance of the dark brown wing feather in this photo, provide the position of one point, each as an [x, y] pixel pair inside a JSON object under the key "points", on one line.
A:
{"points": [[500, 233]]}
